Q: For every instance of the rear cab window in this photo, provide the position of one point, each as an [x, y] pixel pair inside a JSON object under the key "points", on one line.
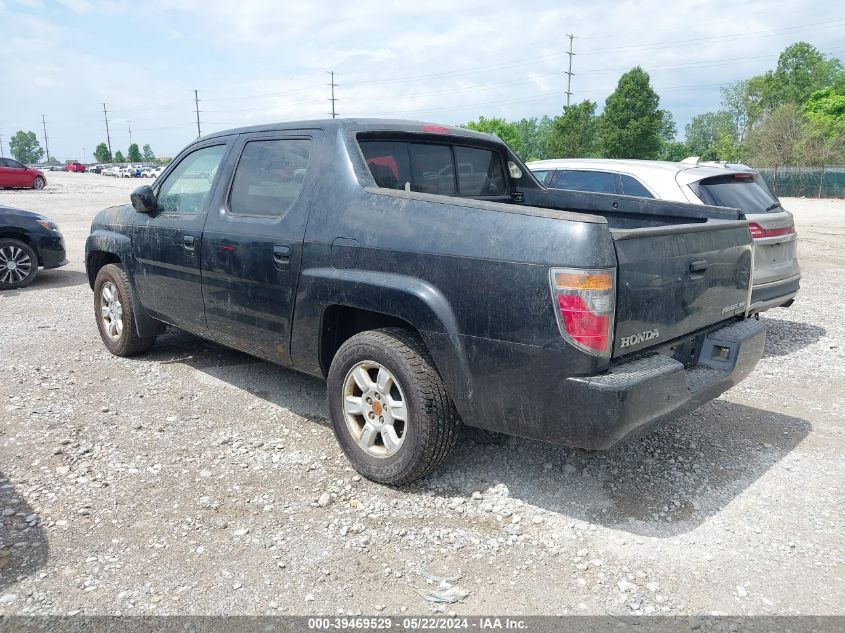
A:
{"points": [[745, 191], [452, 169]]}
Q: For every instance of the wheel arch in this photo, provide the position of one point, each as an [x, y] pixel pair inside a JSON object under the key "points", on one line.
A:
{"points": [[333, 305], [107, 247]]}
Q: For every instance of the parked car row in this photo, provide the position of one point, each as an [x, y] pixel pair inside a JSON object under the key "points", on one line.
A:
{"points": [[132, 171]]}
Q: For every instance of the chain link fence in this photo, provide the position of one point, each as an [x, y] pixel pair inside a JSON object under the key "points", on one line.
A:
{"points": [[806, 182]]}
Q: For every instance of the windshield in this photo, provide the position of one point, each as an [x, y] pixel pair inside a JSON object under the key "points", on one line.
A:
{"points": [[744, 191]]}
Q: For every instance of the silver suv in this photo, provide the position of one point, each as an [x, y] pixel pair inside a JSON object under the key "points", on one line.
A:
{"points": [[776, 272]]}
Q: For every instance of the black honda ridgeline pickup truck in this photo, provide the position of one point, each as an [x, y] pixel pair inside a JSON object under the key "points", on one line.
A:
{"points": [[432, 281]]}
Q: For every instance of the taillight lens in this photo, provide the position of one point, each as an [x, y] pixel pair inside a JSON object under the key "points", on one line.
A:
{"points": [[585, 301], [758, 231]]}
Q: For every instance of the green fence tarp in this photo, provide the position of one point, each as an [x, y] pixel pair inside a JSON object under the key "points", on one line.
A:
{"points": [[805, 182]]}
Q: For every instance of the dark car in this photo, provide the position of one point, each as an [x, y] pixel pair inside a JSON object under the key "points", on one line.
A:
{"points": [[27, 240], [428, 276], [16, 175]]}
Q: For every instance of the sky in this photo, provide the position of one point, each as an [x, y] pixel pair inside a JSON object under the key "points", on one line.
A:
{"points": [[445, 61]]}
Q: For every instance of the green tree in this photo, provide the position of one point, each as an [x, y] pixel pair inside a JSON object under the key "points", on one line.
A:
{"points": [[632, 122], [25, 147], [742, 101], [574, 134], [118, 157], [802, 69], [674, 151], [503, 129], [149, 157], [102, 153], [778, 140], [825, 109], [532, 137], [707, 133], [134, 154]]}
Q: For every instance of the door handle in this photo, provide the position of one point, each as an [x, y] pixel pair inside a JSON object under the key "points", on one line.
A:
{"points": [[281, 256], [188, 242], [697, 268]]}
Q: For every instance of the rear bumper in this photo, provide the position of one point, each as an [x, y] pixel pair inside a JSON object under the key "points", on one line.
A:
{"points": [[636, 396], [774, 294]]}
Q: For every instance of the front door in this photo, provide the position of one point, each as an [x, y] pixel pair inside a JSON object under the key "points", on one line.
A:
{"points": [[14, 174], [252, 244], [167, 245]]}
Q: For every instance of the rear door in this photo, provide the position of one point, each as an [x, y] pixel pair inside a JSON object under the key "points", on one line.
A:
{"points": [[167, 245], [252, 243], [674, 280]]}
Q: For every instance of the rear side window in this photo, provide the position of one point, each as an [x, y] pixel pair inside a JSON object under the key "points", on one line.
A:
{"points": [[435, 168], [595, 181], [389, 163], [269, 177], [633, 187], [741, 191]]}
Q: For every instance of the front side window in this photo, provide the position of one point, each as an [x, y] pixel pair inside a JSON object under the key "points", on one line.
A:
{"points": [[595, 181], [633, 187], [186, 188], [269, 177], [541, 175]]}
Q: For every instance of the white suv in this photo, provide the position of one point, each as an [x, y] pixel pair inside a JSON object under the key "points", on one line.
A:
{"points": [[776, 272]]}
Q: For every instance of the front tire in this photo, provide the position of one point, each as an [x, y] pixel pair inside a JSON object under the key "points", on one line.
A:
{"points": [[18, 264], [38, 183], [114, 314], [389, 407]]}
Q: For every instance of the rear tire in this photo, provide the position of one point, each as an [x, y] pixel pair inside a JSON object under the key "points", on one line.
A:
{"points": [[18, 264], [114, 314], [38, 183], [420, 424]]}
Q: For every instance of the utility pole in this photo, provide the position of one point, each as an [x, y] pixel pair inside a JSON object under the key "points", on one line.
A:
{"points": [[569, 72], [333, 85], [130, 132], [197, 106], [2, 155], [44, 127], [108, 137], [83, 161]]}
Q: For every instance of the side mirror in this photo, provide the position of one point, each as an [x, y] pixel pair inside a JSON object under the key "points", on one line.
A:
{"points": [[144, 200]]}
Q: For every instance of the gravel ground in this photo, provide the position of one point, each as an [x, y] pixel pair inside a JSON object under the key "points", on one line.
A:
{"points": [[199, 480]]}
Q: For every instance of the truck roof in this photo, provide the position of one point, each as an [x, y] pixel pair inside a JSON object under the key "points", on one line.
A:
{"points": [[362, 125]]}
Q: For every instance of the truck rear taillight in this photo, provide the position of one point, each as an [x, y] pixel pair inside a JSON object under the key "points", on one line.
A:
{"points": [[584, 306], [758, 232]]}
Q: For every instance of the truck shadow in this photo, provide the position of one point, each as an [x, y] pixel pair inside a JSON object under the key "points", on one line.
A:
{"points": [[298, 393], [23, 544], [665, 484], [787, 337]]}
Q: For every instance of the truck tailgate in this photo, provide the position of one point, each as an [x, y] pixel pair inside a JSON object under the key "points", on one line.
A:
{"points": [[674, 280]]}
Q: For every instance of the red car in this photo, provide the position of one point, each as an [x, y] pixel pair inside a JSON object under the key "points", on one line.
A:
{"points": [[15, 174], [74, 166]]}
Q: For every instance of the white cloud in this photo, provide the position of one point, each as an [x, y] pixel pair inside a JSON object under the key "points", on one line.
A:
{"points": [[254, 61]]}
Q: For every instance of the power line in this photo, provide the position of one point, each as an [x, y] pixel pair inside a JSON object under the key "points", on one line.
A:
{"points": [[44, 127], [333, 85], [197, 107], [108, 136], [569, 72]]}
